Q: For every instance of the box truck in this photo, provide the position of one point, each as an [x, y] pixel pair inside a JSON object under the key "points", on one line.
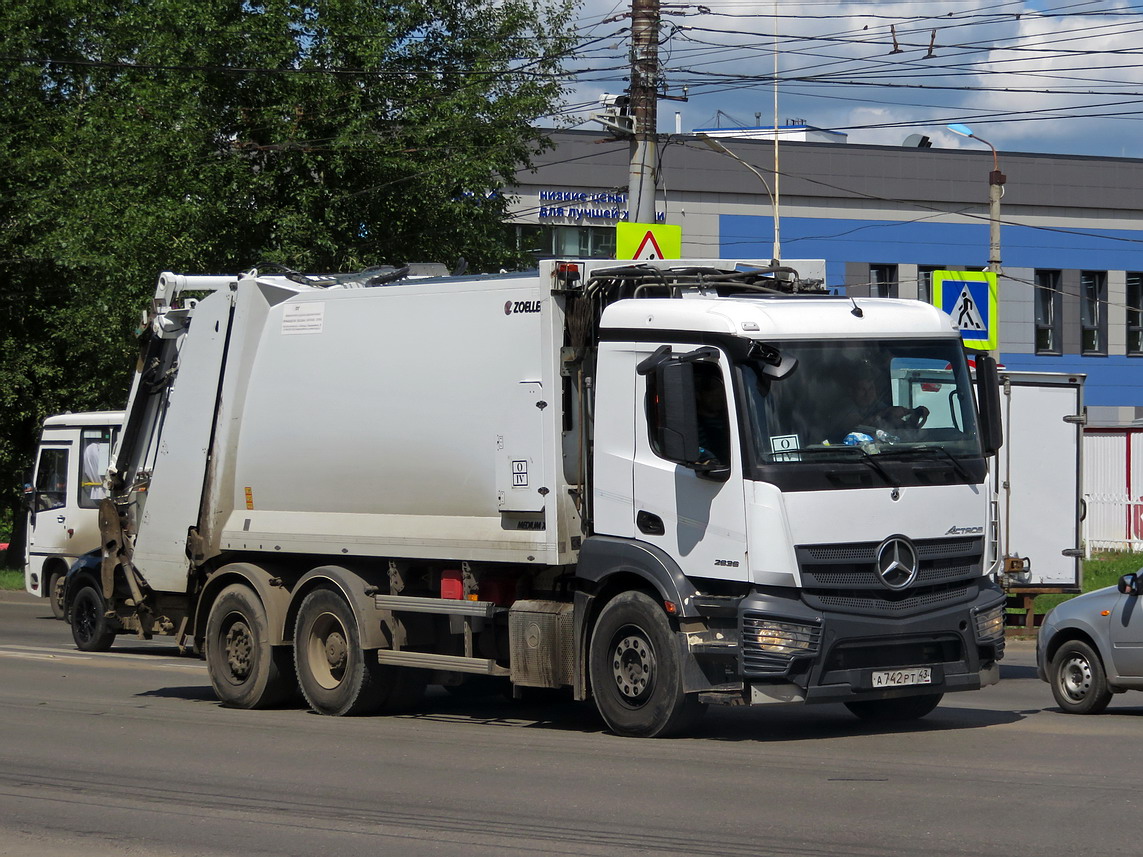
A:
{"points": [[62, 498], [660, 485]]}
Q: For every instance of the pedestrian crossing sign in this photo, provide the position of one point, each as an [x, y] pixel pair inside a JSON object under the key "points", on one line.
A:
{"points": [[971, 298]]}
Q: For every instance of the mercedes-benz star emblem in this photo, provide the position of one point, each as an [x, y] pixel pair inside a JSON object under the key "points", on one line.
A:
{"points": [[897, 564]]}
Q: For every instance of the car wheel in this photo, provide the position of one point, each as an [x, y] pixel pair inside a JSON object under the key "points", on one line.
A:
{"points": [[89, 626], [1079, 682]]}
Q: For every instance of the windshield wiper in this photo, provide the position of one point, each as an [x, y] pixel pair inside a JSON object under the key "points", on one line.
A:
{"points": [[871, 460], [903, 451]]}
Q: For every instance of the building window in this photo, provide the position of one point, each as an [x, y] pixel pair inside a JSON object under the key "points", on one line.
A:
{"points": [[1093, 315], [1048, 301], [925, 282], [569, 242], [1135, 313], [883, 281]]}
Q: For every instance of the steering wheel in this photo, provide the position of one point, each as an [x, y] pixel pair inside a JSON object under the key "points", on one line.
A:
{"points": [[915, 418]]}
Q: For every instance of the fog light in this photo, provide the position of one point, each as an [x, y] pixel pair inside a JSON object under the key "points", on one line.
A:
{"points": [[780, 638], [990, 623]]}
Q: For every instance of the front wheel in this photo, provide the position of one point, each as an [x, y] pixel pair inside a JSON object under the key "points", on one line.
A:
{"points": [[636, 673], [1079, 682], [88, 616], [901, 708], [56, 594], [245, 670]]}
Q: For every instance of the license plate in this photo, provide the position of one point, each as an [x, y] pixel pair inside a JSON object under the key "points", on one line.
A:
{"points": [[903, 678]]}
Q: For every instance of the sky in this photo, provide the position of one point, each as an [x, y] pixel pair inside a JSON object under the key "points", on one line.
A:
{"points": [[1048, 76]]}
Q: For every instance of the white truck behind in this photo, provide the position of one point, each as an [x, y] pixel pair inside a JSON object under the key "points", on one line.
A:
{"points": [[651, 483], [63, 497]]}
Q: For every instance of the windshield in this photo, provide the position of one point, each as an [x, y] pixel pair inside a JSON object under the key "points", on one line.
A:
{"points": [[898, 400]]}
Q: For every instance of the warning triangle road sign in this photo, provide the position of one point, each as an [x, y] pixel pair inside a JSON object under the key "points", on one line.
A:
{"points": [[648, 241], [966, 313], [648, 248]]}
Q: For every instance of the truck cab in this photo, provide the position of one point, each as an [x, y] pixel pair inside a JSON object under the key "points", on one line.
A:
{"points": [[62, 498]]}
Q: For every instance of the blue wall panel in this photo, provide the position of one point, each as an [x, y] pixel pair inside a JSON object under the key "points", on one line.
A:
{"points": [[922, 243], [1112, 381]]}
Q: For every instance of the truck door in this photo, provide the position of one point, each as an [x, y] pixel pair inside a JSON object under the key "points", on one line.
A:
{"points": [[699, 521], [48, 524]]}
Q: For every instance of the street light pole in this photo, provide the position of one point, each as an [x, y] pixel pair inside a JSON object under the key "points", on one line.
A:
{"points": [[996, 181], [718, 147]]}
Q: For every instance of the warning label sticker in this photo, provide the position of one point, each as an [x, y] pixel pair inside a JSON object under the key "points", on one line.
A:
{"points": [[308, 317]]}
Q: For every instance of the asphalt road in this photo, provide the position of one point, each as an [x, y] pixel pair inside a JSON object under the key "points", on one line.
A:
{"points": [[128, 753]]}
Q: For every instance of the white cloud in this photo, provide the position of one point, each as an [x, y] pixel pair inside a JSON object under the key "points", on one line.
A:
{"points": [[868, 68]]}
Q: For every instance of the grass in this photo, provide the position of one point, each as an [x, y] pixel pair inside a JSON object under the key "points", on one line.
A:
{"points": [[11, 578], [1103, 569]]}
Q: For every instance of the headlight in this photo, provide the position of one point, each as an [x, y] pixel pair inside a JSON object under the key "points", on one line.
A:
{"points": [[990, 623]]}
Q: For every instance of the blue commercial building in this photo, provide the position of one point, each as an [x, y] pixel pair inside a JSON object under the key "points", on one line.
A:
{"points": [[884, 218]]}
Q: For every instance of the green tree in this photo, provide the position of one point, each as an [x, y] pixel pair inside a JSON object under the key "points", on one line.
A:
{"points": [[216, 135]]}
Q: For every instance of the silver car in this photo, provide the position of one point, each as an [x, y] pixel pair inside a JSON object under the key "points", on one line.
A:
{"points": [[1092, 646]]}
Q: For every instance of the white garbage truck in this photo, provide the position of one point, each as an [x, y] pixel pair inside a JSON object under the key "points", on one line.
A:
{"points": [[660, 485]]}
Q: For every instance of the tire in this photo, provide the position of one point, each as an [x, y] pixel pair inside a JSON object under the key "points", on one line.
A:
{"points": [[895, 710], [89, 626], [1079, 682], [56, 594], [336, 675], [636, 674], [245, 670]]}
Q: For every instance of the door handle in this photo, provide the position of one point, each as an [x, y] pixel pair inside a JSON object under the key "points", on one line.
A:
{"points": [[648, 524]]}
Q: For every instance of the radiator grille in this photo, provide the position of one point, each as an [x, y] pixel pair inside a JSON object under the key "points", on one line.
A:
{"points": [[844, 576]]}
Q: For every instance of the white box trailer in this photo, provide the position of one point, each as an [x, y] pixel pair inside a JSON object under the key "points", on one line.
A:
{"points": [[663, 485], [1040, 479], [63, 497]]}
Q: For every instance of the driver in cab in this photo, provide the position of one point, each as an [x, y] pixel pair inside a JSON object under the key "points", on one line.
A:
{"points": [[869, 407]]}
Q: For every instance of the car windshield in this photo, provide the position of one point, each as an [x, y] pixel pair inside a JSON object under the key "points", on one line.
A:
{"points": [[895, 399]]}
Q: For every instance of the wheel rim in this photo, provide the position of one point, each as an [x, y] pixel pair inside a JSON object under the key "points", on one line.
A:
{"points": [[1075, 677], [238, 646], [327, 651], [85, 617], [633, 666]]}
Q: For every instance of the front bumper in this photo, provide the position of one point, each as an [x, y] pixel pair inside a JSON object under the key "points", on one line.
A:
{"points": [[959, 645]]}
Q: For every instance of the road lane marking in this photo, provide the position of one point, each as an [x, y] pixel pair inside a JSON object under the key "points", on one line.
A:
{"points": [[42, 653]]}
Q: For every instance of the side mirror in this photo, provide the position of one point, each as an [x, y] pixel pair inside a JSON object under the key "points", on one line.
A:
{"points": [[678, 417], [1129, 583], [988, 400]]}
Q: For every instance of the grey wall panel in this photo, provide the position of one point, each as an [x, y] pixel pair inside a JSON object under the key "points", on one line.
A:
{"points": [[857, 279], [1070, 286]]}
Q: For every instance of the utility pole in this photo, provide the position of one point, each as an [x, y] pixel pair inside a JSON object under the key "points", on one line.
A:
{"points": [[644, 106]]}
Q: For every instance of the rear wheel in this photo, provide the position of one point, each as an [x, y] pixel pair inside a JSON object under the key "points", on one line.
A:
{"points": [[245, 670], [89, 626], [902, 708], [1079, 682], [56, 594], [336, 675], [636, 674]]}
